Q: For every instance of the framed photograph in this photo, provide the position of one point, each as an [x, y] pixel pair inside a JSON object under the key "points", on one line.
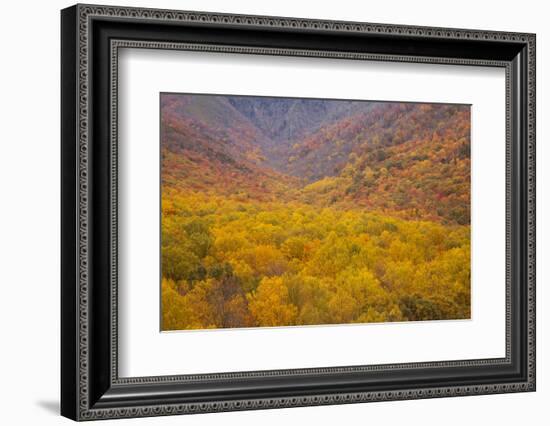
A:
{"points": [[263, 212]]}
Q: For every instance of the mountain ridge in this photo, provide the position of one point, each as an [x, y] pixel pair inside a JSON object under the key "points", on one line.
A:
{"points": [[407, 159]]}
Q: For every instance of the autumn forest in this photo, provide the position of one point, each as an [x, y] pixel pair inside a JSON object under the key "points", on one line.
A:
{"points": [[290, 211]]}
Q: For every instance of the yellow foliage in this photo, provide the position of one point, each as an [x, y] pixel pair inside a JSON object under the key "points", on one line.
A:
{"points": [[270, 305], [233, 263]]}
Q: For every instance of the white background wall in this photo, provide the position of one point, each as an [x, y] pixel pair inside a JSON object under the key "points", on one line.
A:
{"points": [[29, 213]]}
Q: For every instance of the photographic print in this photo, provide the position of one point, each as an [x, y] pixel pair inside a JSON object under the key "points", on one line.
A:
{"points": [[296, 212]]}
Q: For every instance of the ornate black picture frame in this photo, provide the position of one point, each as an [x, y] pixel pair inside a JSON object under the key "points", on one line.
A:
{"points": [[91, 387]]}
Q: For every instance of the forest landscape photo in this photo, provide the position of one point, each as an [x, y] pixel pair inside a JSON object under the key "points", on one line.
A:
{"points": [[296, 211]]}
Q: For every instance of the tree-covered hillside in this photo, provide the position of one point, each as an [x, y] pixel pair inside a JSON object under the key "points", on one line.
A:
{"points": [[281, 211]]}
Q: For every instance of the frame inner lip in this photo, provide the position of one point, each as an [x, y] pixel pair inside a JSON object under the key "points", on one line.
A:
{"points": [[115, 45]]}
